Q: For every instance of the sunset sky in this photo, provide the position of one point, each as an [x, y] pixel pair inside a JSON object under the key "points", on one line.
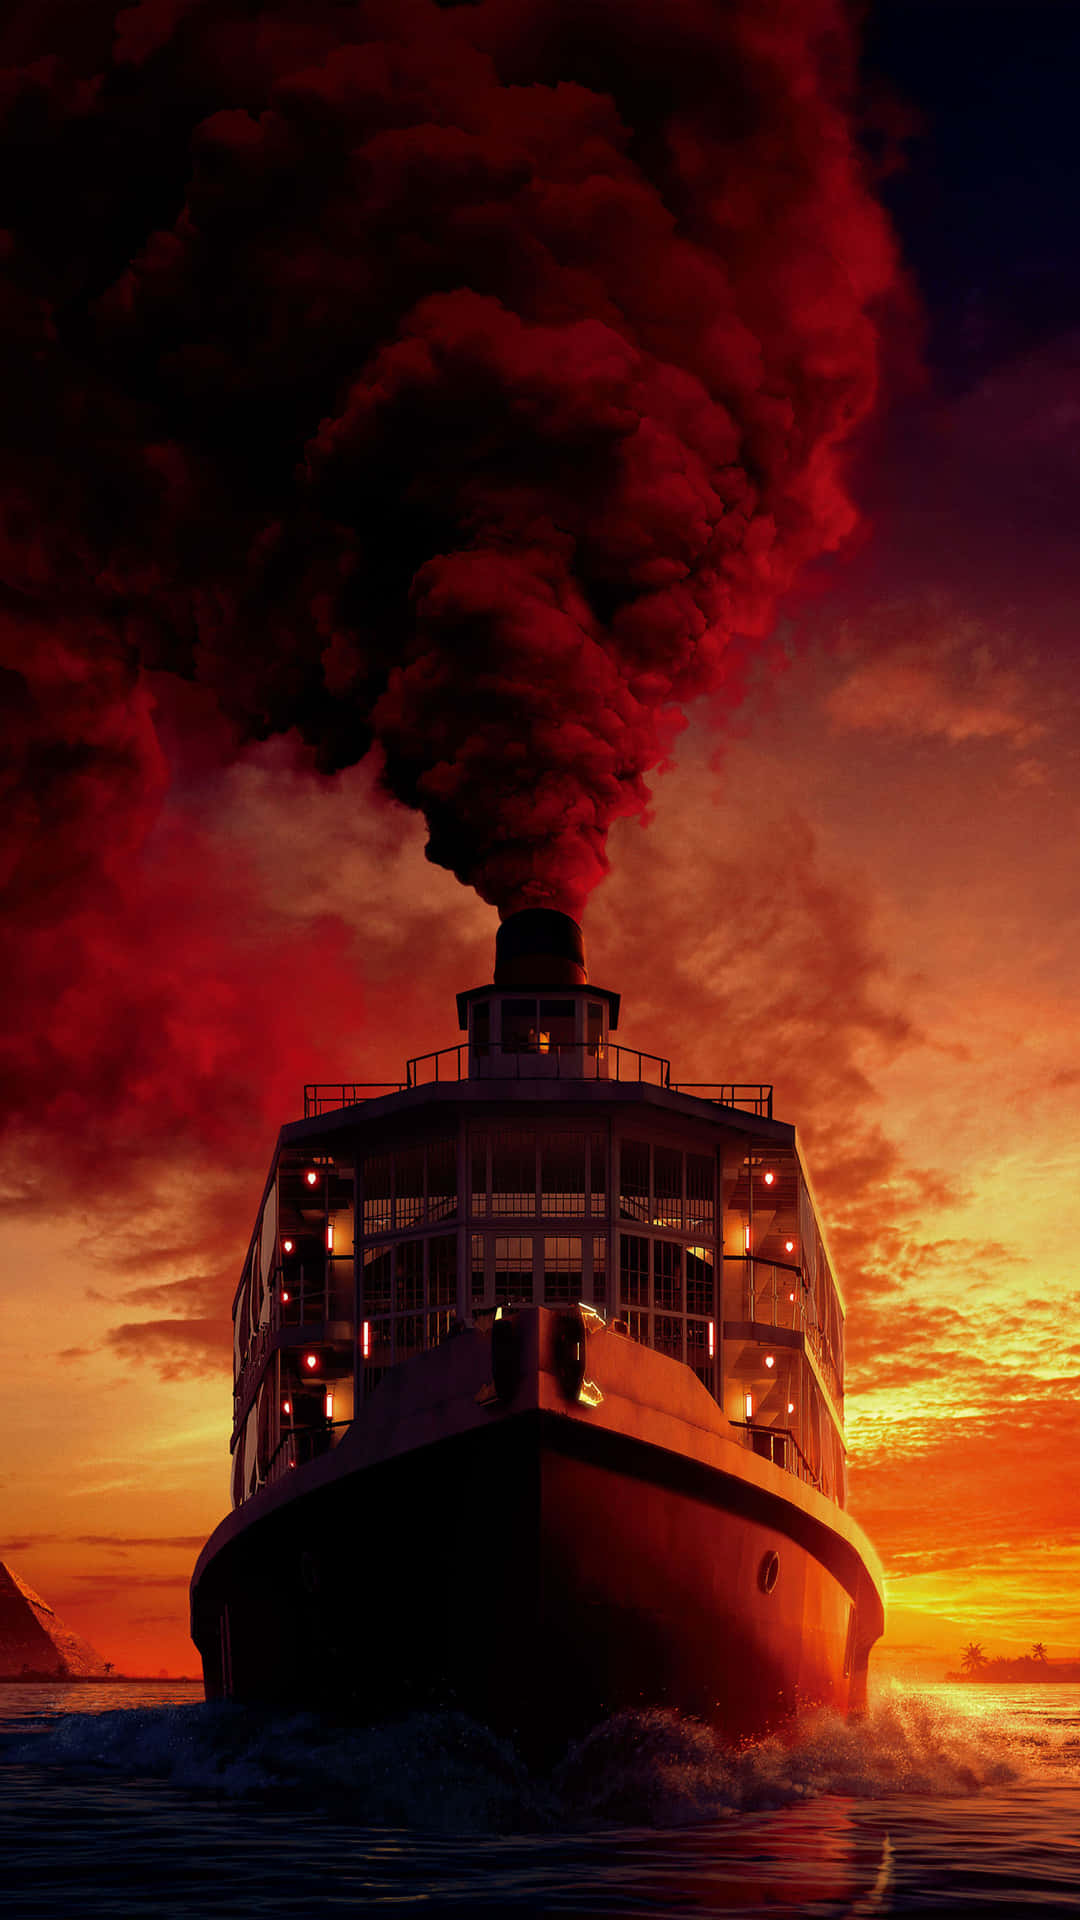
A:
{"points": [[857, 878]]}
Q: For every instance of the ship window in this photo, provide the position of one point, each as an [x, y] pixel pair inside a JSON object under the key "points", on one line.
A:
{"points": [[634, 1180], [442, 1179], [557, 1026], [478, 1173], [378, 1272], [599, 1271], [513, 1173], [408, 1335], [667, 1276], [667, 1335], [481, 1028], [562, 1169], [478, 1288], [513, 1269], [377, 1192], [697, 1350], [700, 1211], [633, 1270], [667, 1182], [699, 1281], [520, 1033], [598, 1173], [442, 1271], [562, 1269], [595, 1018], [409, 1186], [410, 1275]]}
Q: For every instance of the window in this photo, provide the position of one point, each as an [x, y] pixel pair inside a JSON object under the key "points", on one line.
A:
{"points": [[634, 1180], [557, 1026], [667, 1183], [599, 1272], [478, 1288], [410, 1275], [478, 1173], [513, 1269], [409, 1186], [520, 1033], [699, 1281], [597, 1173], [442, 1179], [378, 1174], [667, 1276], [513, 1173], [378, 1272], [700, 1206], [562, 1174], [633, 1270], [481, 1028], [442, 1271], [667, 1335], [562, 1269], [595, 1029]]}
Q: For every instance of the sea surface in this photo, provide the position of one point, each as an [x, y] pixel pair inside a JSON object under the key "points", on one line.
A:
{"points": [[132, 1801]]}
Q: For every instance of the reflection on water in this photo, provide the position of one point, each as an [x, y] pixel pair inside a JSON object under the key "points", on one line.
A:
{"points": [[962, 1800]]}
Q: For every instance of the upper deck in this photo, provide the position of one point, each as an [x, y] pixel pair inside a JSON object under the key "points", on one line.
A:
{"points": [[538, 1162]]}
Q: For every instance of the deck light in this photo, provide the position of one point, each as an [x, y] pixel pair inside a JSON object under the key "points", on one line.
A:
{"points": [[284, 1298], [746, 1237], [286, 1406], [712, 1338], [329, 1406], [286, 1246], [312, 1179], [365, 1340], [770, 1360], [791, 1406], [769, 1178], [330, 1237], [749, 1406], [791, 1296], [311, 1360], [789, 1246]]}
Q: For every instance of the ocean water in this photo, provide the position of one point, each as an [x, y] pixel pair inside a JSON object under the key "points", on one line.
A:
{"points": [[146, 1801]]}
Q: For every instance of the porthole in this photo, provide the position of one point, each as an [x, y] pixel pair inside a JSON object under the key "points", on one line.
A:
{"points": [[769, 1571]]}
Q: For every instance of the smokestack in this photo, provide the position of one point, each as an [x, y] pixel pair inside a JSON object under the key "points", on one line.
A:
{"points": [[540, 947]]}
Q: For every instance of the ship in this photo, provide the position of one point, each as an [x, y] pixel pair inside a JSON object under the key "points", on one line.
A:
{"points": [[538, 1393]]}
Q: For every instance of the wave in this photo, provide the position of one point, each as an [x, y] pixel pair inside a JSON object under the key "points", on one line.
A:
{"points": [[443, 1771]]}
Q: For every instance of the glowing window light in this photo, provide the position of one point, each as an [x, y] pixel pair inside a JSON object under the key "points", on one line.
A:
{"points": [[286, 1406], [286, 1246], [365, 1340], [749, 1406], [329, 1406], [769, 1178], [770, 1360], [746, 1236], [330, 1237], [311, 1361], [312, 1178], [712, 1339]]}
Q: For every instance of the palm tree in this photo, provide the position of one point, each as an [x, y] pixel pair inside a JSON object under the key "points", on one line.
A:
{"points": [[973, 1657], [1039, 1652]]}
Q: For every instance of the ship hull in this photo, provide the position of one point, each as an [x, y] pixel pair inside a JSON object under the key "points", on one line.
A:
{"points": [[541, 1571]]}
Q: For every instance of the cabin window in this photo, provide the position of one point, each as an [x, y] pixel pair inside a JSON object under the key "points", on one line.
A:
{"points": [[699, 1281], [557, 1026], [667, 1187], [513, 1173], [513, 1269], [599, 1271], [442, 1179], [409, 1186], [479, 1288], [562, 1174], [410, 1276], [598, 1173], [478, 1173], [378, 1190], [481, 1028], [634, 1180], [633, 1270], [562, 1269], [595, 1029], [520, 1033], [700, 1182], [667, 1276]]}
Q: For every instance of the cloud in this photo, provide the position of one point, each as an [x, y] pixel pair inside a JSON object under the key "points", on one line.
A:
{"points": [[923, 672], [176, 1349]]}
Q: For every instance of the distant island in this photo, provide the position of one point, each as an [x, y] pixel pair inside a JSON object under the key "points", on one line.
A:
{"points": [[1034, 1668]]}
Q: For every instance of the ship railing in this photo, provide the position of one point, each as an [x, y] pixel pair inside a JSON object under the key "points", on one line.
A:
{"points": [[779, 1445], [334, 1096], [539, 1059], [750, 1096], [767, 1297], [302, 1444]]}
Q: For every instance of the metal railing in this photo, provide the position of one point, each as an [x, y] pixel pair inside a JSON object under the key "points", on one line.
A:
{"points": [[779, 1445], [750, 1096], [333, 1096], [556, 1060]]}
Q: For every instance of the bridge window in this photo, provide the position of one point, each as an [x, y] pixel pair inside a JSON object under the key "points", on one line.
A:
{"points": [[634, 1179], [562, 1174]]}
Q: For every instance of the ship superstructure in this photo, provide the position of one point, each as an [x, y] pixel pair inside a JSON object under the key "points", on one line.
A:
{"points": [[540, 1275]]}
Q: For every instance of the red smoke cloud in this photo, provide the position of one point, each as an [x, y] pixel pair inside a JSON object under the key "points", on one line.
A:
{"points": [[466, 381]]}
